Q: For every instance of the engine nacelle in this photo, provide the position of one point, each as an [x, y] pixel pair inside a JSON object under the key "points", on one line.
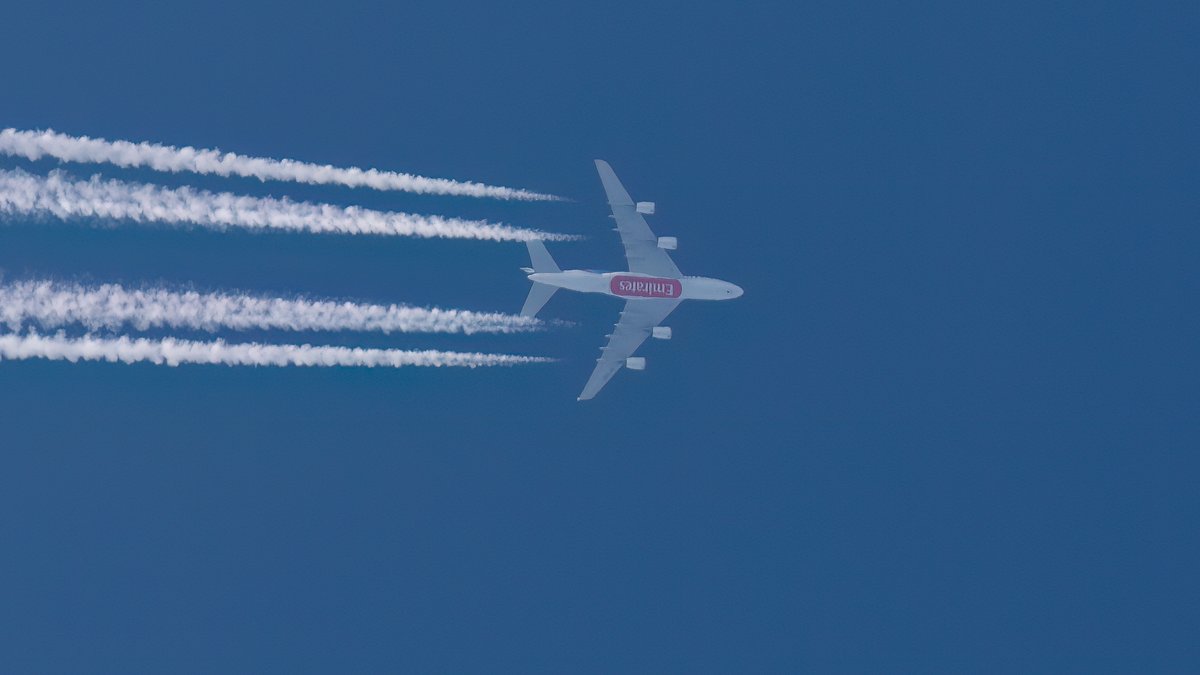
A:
{"points": [[636, 363], [646, 208], [668, 243], [661, 332]]}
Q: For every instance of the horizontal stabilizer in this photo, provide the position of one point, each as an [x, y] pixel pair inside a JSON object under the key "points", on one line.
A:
{"points": [[539, 294], [540, 258]]}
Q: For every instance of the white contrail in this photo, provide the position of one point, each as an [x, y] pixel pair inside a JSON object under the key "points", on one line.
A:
{"points": [[172, 352], [58, 195], [37, 144], [51, 304]]}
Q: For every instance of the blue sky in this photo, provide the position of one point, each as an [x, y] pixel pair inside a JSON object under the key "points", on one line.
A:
{"points": [[951, 426]]}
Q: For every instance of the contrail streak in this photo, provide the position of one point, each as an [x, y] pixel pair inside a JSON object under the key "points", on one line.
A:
{"points": [[174, 352], [51, 304], [37, 144], [58, 195]]}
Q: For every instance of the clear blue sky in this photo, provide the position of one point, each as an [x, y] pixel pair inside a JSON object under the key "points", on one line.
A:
{"points": [[951, 426]]}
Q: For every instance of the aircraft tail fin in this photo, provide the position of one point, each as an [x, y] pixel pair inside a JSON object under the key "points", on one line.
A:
{"points": [[540, 258], [539, 294]]}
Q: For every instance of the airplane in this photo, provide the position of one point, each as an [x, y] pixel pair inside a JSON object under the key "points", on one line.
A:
{"points": [[652, 288]]}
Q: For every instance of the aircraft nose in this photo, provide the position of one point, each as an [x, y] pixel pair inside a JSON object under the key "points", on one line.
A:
{"points": [[735, 290]]}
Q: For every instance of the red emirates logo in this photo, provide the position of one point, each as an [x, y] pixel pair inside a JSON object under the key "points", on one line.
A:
{"points": [[645, 287]]}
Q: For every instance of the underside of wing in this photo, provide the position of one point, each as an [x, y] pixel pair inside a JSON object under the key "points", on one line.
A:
{"points": [[637, 320], [641, 246]]}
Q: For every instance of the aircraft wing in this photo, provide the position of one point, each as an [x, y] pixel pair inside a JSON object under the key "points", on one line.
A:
{"points": [[641, 246], [638, 317]]}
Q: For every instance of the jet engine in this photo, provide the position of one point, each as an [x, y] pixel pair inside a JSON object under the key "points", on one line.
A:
{"points": [[636, 363], [668, 243], [646, 208], [661, 332]]}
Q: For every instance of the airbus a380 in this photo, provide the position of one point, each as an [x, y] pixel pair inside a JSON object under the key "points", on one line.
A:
{"points": [[652, 288]]}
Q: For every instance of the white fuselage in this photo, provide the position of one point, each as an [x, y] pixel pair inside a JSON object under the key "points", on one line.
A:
{"points": [[636, 286]]}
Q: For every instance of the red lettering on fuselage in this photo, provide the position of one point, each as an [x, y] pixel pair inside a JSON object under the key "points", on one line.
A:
{"points": [[645, 287]]}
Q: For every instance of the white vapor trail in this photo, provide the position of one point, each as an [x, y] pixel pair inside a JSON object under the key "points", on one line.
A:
{"points": [[174, 352], [57, 194], [37, 144], [52, 304]]}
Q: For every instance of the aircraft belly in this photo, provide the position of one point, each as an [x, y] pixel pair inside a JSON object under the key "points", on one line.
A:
{"points": [[574, 280]]}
